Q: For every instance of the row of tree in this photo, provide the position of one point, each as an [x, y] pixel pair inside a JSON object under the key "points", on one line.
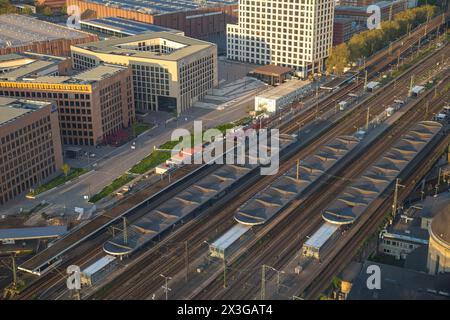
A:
{"points": [[365, 43]]}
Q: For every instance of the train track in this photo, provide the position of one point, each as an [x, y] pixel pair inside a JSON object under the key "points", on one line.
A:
{"points": [[284, 237], [372, 219], [146, 273], [94, 253]]}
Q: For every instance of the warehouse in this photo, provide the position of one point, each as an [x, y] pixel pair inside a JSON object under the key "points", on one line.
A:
{"points": [[21, 33], [205, 22]]}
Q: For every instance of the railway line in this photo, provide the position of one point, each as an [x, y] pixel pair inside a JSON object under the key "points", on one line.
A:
{"points": [[345, 252], [94, 251], [285, 235], [146, 273], [375, 65]]}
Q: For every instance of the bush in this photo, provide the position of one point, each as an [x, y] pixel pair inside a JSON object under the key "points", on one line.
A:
{"points": [[59, 180], [116, 184]]}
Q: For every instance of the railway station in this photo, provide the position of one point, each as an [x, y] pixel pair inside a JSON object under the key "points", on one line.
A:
{"points": [[268, 202], [357, 197], [180, 208]]}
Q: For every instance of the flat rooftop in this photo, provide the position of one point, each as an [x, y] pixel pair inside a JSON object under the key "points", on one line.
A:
{"points": [[283, 89], [321, 236], [11, 108], [98, 73], [127, 46], [32, 233], [16, 30], [125, 26], [162, 6], [28, 74], [10, 57], [98, 265], [400, 283], [273, 70], [30, 69]]}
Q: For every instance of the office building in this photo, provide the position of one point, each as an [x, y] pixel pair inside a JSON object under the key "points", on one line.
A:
{"points": [[30, 149], [93, 105], [282, 32], [170, 72]]}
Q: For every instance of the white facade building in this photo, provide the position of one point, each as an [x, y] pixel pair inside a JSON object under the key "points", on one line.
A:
{"points": [[270, 101], [291, 33]]}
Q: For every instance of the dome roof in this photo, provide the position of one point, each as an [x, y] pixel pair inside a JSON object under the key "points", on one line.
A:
{"points": [[440, 226]]}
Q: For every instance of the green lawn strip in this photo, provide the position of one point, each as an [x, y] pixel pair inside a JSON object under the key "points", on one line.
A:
{"points": [[140, 128], [59, 180], [159, 156], [116, 184], [154, 159]]}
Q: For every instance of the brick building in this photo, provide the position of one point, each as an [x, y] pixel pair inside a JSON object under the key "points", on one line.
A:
{"points": [[92, 105], [20, 33], [30, 146], [204, 23]]}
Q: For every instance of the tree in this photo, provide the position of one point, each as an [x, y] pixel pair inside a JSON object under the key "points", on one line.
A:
{"points": [[356, 46], [391, 30], [339, 58], [368, 42], [66, 169]]}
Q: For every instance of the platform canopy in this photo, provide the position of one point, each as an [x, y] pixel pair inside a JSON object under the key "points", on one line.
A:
{"points": [[274, 74], [357, 197], [32, 233], [227, 239], [268, 202]]}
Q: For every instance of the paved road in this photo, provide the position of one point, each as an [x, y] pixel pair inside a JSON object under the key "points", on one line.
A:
{"points": [[122, 158]]}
